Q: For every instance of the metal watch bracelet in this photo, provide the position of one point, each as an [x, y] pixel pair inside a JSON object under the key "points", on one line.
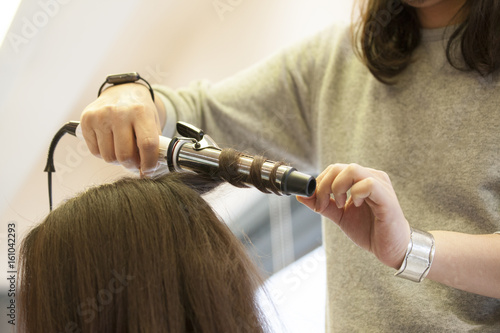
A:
{"points": [[418, 258]]}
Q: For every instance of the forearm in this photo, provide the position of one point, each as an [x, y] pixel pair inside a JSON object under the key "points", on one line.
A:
{"points": [[270, 107], [238, 112], [467, 262]]}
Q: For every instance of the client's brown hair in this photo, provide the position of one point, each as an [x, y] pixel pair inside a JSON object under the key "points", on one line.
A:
{"points": [[138, 255]]}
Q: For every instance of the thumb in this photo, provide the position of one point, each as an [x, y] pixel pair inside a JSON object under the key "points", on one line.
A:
{"points": [[308, 202], [331, 211]]}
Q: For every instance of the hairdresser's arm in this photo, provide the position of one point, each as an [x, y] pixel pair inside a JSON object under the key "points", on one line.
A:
{"points": [[266, 108], [373, 219], [123, 125], [271, 107], [467, 262]]}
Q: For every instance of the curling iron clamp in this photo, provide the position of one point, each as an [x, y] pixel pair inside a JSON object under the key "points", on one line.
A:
{"points": [[194, 151]]}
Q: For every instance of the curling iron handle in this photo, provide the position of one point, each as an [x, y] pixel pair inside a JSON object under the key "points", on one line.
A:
{"points": [[78, 132]]}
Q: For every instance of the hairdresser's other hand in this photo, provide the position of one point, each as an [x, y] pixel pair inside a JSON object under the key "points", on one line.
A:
{"points": [[371, 217], [122, 126]]}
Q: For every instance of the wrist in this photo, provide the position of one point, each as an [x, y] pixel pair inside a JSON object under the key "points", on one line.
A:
{"points": [[131, 88], [126, 78], [162, 113], [166, 110]]}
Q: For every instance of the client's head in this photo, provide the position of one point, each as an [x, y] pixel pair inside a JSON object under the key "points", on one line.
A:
{"points": [[138, 255]]}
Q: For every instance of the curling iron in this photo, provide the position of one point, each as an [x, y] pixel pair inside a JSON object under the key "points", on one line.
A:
{"points": [[195, 151]]}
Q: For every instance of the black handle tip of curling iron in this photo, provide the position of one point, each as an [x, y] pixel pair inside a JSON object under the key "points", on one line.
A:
{"points": [[298, 183], [70, 127]]}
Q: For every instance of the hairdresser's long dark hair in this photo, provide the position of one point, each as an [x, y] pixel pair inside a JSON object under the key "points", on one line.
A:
{"points": [[138, 255], [387, 51]]}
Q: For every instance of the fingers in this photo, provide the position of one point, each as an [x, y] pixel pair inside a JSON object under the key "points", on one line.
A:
{"points": [[365, 185], [146, 132], [309, 202], [125, 147], [122, 126], [331, 211], [105, 145], [324, 186], [371, 216], [91, 140], [347, 178], [365, 189]]}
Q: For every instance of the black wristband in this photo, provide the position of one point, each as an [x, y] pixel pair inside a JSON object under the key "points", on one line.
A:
{"points": [[117, 79]]}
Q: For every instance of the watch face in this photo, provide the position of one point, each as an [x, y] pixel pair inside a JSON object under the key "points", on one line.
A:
{"points": [[123, 78]]}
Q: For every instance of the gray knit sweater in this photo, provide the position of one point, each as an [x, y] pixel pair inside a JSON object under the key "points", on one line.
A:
{"points": [[436, 133]]}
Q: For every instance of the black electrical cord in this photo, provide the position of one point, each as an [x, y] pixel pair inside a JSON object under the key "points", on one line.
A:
{"points": [[69, 127]]}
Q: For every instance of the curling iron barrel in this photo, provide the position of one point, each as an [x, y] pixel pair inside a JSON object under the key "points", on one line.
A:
{"points": [[274, 177], [196, 152]]}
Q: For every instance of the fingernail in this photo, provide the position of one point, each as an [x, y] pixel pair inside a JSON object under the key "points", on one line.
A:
{"points": [[149, 172], [145, 173]]}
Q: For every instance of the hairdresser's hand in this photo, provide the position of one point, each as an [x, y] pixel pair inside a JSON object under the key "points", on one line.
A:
{"points": [[122, 126], [371, 217]]}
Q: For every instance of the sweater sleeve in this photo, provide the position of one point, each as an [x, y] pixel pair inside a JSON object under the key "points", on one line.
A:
{"points": [[267, 109]]}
